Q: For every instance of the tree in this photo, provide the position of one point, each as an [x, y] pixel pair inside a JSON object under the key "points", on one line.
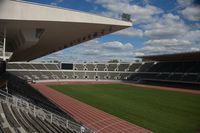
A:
{"points": [[113, 61]]}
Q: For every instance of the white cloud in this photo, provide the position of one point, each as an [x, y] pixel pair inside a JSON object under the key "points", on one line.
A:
{"points": [[115, 45], [95, 51], [191, 13], [130, 32], [141, 14], [184, 2], [163, 32], [168, 42], [167, 26], [193, 36], [139, 54]]}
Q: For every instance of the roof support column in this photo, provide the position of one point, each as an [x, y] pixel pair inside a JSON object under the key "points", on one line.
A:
{"points": [[4, 44]]}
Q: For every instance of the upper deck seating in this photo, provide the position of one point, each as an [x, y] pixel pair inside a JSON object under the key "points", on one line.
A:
{"points": [[133, 67], [112, 67], [52, 66], [146, 66], [101, 67], [78, 66], [13, 66], [26, 66], [39, 66], [90, 67], [123, 67]]}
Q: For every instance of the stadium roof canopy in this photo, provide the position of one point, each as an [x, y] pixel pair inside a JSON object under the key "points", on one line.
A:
{"points": [[187, 56], [35, 30]]}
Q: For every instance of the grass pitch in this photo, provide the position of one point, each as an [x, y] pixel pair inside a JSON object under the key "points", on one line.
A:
{"points": [[160, 111]]}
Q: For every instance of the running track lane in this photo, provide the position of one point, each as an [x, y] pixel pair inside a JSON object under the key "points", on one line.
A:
{"points": [[97, 120]]}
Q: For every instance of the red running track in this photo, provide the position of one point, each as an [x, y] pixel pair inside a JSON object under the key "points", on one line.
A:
{"points": [[97, 120]]}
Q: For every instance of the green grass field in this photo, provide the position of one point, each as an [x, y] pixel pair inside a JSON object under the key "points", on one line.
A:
{"points": [[157, 110]]}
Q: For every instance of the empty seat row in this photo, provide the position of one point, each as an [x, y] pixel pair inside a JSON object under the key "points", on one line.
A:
{"points": [[20, 121]]}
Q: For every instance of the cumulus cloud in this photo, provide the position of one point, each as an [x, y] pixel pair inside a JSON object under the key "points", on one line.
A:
{"points": [[140, 14], [191, 13], [163, 32], [95, 51], [168, 42], [131, 32], [115, 45], [193, 35], [167, 26], [184, 2], [160, 50]]}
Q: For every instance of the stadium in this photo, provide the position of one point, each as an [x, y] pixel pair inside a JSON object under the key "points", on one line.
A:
{"points": [[158, 94]]}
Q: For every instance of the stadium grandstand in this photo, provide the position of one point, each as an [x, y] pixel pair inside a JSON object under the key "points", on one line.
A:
{"points": [[25, 35], [154, 68]]}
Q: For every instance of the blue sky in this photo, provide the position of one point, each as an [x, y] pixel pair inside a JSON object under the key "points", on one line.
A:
{"points": [[159, 27]]}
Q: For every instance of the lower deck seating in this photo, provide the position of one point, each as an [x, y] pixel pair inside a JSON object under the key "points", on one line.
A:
{"points": [[24, 119], [91, 75], [102, 75], [13, 123], [21, 120], [113, 76]]}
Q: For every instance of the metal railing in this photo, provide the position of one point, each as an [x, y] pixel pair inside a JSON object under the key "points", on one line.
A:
{"points": [[42, 113]]}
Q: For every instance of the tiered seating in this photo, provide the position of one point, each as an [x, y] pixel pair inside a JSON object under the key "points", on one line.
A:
{"points": [[78, 67], [187, 72], [10, 118], [28, 122], [58, 74], [13, 66], [133, 67], [69, 74], [36, 75], [20, 87], [91, 75], [102, 75], [163, 71], [146, 66], [18, 74], [113, 76], [39, 66], [112, 67], [46, 75], [6, 130], [190, 77], [123, 67], [51, 66], [31, 122], [22, 116], [90, 67], [21, 120], [79, 75], [26, 66], [175, 77], [101, 67], [124, 76]]}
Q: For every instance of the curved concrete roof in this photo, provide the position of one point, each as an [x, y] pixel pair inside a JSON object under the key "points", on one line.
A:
{"points": [[35, 30]]}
